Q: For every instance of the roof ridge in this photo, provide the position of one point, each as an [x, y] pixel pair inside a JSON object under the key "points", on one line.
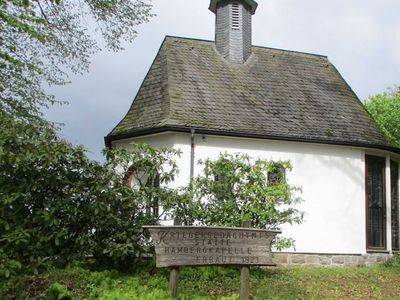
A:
{"points": [[291, 51], [187, 38], [140, 88], [253, 46], [170, 92], [167, 103]]}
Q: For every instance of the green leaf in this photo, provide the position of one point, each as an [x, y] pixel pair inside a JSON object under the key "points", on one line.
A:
{"points": [[385, 109]]}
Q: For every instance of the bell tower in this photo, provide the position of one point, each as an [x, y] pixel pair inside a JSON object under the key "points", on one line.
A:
{"points": [[233, 28]]}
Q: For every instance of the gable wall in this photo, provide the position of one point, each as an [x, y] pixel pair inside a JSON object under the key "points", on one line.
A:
{"points": [[332, 179]]}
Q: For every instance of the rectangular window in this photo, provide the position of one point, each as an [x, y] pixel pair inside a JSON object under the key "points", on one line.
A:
{"points": [[394, 187], [375, 202]]}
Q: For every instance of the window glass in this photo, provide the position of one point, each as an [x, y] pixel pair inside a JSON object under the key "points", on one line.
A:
{"points": [[277, 175], [138, 180], [375, 194], [394, 187]]}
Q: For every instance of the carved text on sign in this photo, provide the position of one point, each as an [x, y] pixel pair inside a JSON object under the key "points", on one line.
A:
{"points": [[191, 246]]}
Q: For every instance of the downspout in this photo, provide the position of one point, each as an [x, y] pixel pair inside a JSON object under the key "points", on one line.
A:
{"points": [[192, 132]]}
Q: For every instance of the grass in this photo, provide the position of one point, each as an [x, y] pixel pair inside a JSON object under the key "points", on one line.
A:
{"points": [[381, 282]]}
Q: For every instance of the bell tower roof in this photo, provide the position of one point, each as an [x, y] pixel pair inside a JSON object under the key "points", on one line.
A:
{"points": [[251, 3]]}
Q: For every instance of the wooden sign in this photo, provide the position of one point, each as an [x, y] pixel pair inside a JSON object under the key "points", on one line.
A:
{"points": [[203, 246]]}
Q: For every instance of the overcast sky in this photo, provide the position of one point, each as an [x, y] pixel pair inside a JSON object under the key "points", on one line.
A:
{"points": [[360, 37]]}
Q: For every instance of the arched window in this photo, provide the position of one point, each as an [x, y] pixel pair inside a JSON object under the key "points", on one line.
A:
{"points": [[277, 174], [137, 180]]}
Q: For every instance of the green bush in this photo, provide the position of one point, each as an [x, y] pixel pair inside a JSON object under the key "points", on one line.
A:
{"points": [[46, 199], [236, 188], [385, 109], [58, 291], [57, 205], [394, 261]]}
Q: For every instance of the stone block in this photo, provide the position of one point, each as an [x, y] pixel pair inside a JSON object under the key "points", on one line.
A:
{"points": [[338, 260], [381, 258], [370, 259], [325, 260], [351, 261], [312, 260], [280, 258], [298, 259]]}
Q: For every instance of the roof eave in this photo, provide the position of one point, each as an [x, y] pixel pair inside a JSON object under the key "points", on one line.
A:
{"points": [[187, 129]]}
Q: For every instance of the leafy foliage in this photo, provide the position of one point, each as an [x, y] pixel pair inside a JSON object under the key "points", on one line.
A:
{"points": [[385, 109], [235, 189], [41, 41], [58, 291], [56, 205], [394, 261], [121, 239], [42, 183], [212, 283]]}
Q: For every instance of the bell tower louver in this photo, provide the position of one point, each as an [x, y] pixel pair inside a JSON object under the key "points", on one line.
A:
{"points": [[233, 28]]}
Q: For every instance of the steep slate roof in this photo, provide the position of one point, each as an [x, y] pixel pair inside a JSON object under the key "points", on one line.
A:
{"points": [[276, 94]]}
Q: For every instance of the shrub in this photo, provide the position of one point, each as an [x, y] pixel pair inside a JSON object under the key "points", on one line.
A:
{"points": [[46, 197], [235, 189], [394, 261], [57, 205], [385, 109], [58, 291]]}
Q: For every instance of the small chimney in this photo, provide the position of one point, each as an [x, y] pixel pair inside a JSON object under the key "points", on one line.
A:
{"points": [[233, 28]]}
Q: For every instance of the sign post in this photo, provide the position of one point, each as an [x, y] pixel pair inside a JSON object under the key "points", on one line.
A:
{"points": [[205, 246], [174, 273], [245, 275], [173, 282]]}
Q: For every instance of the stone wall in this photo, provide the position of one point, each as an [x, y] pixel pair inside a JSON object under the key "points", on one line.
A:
{"points": [[345, 260]]}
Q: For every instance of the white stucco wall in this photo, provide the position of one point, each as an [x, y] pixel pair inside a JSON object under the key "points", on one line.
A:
{"points": [[332, 179]]}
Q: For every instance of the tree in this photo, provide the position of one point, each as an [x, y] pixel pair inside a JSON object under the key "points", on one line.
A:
{"points": [[236, 188], [41, 41], [385, 109], [143, 173], [56, 205]]}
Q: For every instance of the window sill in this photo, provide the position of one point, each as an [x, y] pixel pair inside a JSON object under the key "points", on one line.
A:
{"points": [[378, 251]]}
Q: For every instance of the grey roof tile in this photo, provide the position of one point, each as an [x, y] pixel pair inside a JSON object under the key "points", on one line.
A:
{"points": [[276, 93]]}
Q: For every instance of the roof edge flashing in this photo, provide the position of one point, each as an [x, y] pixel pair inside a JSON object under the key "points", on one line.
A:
{"points": [[186, 129], [251, 3]]}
